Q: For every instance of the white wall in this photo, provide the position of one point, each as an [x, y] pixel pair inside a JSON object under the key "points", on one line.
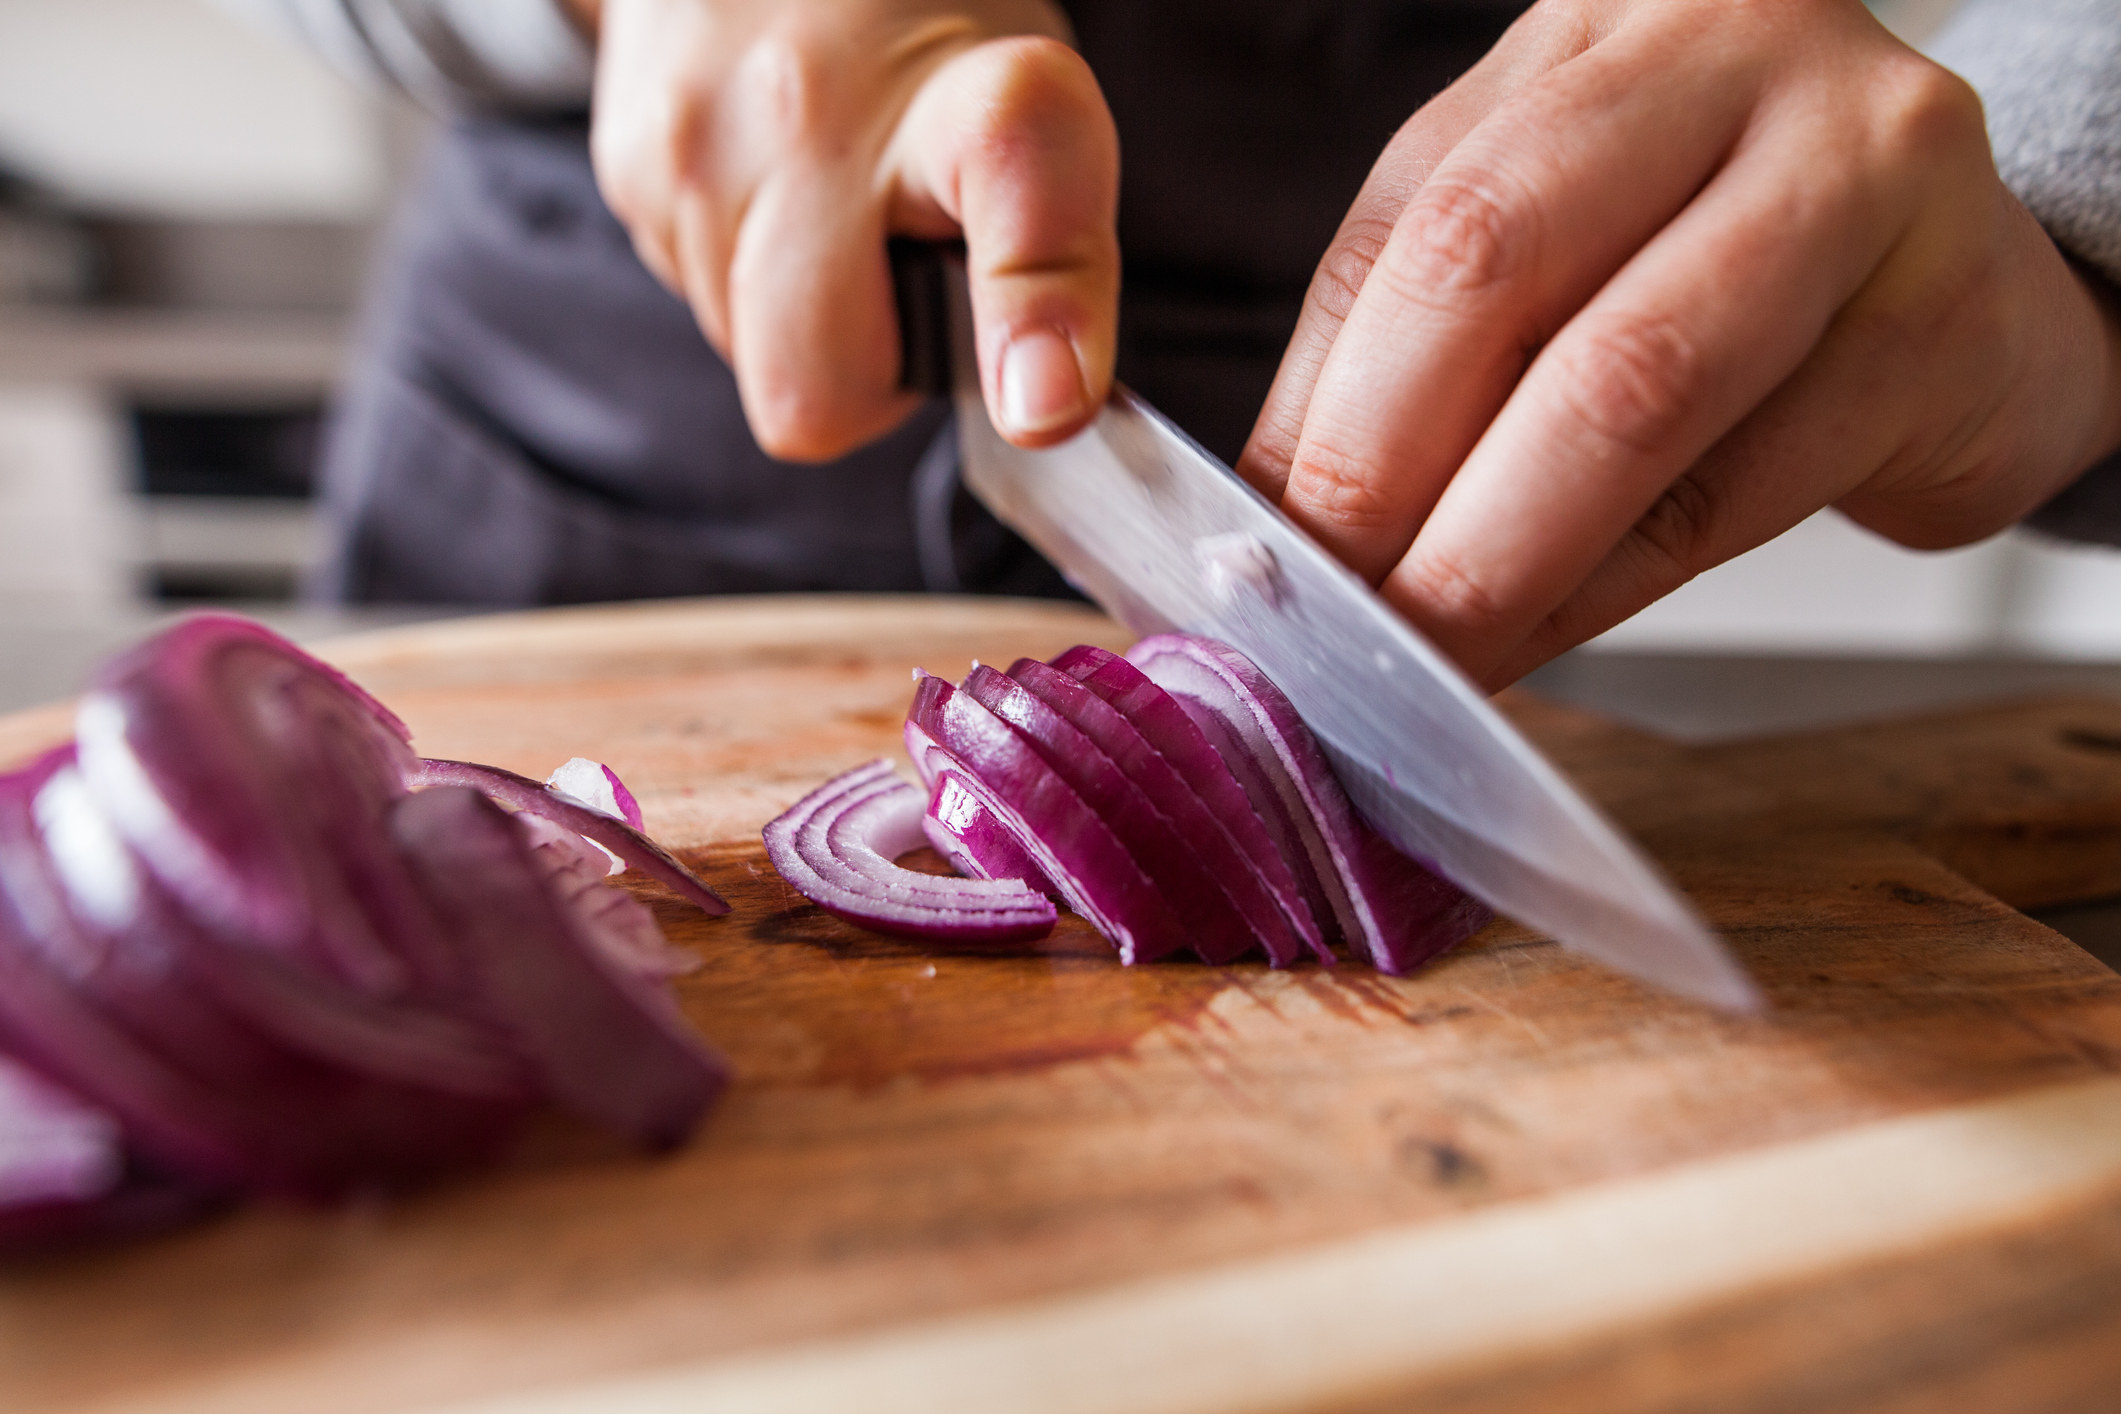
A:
{"points": [[1828, 586], [173, 107]]}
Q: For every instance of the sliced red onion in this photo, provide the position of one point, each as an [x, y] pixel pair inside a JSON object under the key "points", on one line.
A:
{"points": [[1172, 797], [949, 730], [612, 1046], [126, 1022], [53, 1147], [1164, 723], [1397, 911], [964, 831], [523, 793], [836, 846], [597, 786], [620, 923], [235, 765], [1215, 929], [210, 934]]}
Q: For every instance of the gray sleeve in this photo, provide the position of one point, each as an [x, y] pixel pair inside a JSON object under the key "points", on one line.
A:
{"points": [[519, 56], [2049, 72]]}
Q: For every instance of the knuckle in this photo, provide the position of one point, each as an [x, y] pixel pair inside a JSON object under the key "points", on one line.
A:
{"points": [[1033, 100], [1356, 250], [795, 429], [1462, 235], [796, 419], [1331, 485], [1633, 384], [1932, 112], [1674, 540], [784, 84], [1450, 590]]}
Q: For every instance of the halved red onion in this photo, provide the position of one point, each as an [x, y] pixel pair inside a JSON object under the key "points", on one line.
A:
{"points": [[1400, 913], [837, 846], [1164, 723], [949, 730], [1173, 798], [523, 793], [610, 1045]]}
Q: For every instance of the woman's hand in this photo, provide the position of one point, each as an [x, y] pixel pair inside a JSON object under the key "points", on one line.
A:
{"points": [[760, 151], [1651, 284]]}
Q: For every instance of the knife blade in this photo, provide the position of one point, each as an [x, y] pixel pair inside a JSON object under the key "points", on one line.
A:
{"points": [[1164, 537]]}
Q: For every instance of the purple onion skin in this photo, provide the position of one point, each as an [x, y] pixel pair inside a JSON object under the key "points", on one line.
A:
{"points": [[1399, 911], [1173, 797], [1164, 723], [1098, 878], [610, 1046], [523, 793], [1216, 931], [968, 834]]}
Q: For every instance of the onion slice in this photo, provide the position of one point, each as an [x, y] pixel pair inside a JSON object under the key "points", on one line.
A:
{"points": [[597, 786], [611, 1046], [1398, 912], [1213, 850], [53, 1147], [973, 838], [1165, 725], [836, 846], [249, 778], [523, 793], [950, 731]]}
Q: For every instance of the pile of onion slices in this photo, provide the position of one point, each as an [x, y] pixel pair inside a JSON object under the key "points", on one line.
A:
{"points": [[1171, 797], [250, 942]]}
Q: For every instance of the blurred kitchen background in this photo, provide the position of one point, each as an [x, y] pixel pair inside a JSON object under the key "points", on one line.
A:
{"points": [[186, 207]]}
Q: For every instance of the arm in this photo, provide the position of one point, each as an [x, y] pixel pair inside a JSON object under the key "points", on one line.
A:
{"points": [[2049, 72]]}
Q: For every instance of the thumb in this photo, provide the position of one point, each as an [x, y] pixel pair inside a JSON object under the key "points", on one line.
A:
{"points": [[1011, 141]]}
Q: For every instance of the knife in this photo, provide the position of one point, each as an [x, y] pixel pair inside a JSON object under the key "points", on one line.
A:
{"points": [[1164, 537]]}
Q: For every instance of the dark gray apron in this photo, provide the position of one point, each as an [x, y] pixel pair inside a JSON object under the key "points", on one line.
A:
{"points": [[531, 419]]}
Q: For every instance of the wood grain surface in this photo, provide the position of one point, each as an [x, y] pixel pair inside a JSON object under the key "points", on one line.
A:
{"points": [[1046, 1182]]}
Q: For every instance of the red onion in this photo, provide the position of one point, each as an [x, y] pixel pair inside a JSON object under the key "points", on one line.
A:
{"points": [[973, 838], [238, 939], [53, 1148], [1173, 798], [607, 1043], [949, 730], [1165, 725], [1398, 912], [609, 832], [1209, 844], [837, 846]]}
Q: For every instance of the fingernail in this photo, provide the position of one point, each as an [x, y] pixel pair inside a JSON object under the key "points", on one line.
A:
{"points": [[1042, 388]]}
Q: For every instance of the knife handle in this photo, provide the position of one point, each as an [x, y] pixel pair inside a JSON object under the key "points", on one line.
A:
{"points": [[920, 285]]}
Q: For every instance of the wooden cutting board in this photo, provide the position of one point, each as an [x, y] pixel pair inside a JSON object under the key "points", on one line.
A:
{"points": [[1049, 1183]]}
